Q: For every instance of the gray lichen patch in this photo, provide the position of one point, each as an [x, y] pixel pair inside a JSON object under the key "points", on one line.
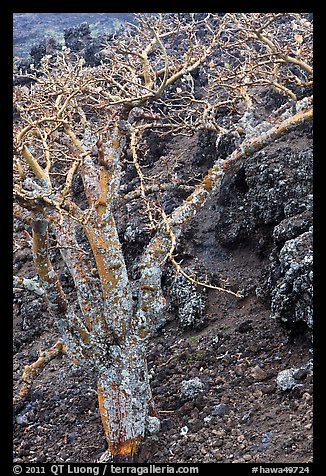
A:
{"points": [[152, 425], [267, 204], [290, 379], [189, 301], [292, 298]]}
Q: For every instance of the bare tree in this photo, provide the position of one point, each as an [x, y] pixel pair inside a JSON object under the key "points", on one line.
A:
{"points": [[75, 120]]}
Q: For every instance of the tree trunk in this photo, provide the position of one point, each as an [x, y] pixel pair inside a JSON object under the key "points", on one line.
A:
{"points": [[125, 399]]}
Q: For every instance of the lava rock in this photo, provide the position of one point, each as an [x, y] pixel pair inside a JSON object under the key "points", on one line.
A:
{"points": [[267, 204], [77, 37], [258, 374], [220, 410], [207, 149], [192, 388], [285, 380], [245, 326], [22, 419], [152, 425], [292, 293], [189, 301]]}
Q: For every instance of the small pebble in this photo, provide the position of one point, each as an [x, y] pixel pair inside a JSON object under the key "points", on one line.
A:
{"points": [[22, 419], [220, 409], [258, 374]]}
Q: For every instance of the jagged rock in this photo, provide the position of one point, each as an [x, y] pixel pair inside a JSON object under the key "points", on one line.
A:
{"points": [[206, 151], [192, 388], [267, 204], [289, 379], [91, 53], [152, 425], [189, 301], [77, 37], [292, 291], [286, 381], [220, 410], [48, 46]]}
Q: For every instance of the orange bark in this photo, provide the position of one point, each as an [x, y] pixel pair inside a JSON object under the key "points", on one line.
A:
{"points": [[115, 431]]}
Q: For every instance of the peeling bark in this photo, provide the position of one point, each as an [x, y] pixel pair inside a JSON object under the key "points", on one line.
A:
{"points": [[124, 397]]}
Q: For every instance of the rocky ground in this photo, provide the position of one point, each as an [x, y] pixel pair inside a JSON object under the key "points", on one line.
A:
{"points": [[232, 382], [231, 377]]}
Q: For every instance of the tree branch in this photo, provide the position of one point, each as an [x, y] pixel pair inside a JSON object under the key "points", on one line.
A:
{"points": [[151, 300]]}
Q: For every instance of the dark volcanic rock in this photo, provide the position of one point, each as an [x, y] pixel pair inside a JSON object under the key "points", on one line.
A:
{"points": [[77, 37], [219, 367], [48, 46], [189, 301], [267, 203], [291, 281], [80, 40]]}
